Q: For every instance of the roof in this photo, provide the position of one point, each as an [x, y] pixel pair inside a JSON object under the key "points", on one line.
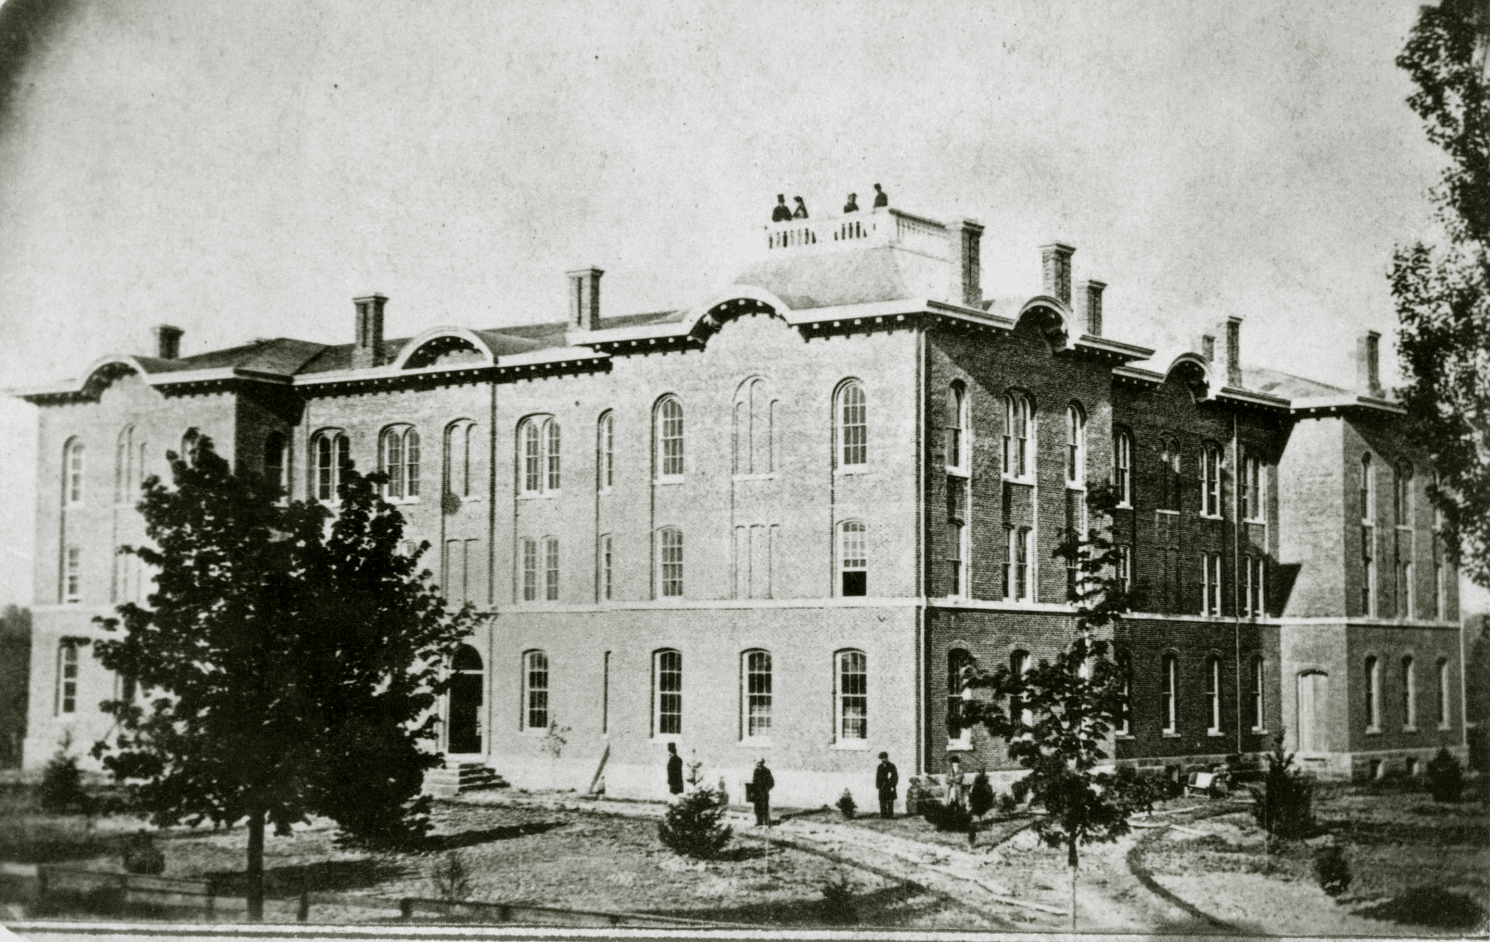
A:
{"points": [[837, 279]]}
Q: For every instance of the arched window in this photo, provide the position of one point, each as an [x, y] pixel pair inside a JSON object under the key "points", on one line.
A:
{"points": [[1019, 433], [670, 562], [1075, 446], [1213, 694], [669, 439], [1409, 694], [853, 426], [1124, 726], [1019, 663], [755, 668], [459, 473], [275, 451], [957, 660], [1373, 695], [1368, 490], [67, 678], [1210, 479], [1443, 693], [72, 489], [1122, 466], [956, 429], [539, 440], [605, 452], [852, 701], [1253, 481], [667, 693], [754, 435], [1257, 717], [399, 459], [1402, 494], [853, 559], [1169, 475], [124, 466], [332, 453], [535, 691], [1169, 692]]}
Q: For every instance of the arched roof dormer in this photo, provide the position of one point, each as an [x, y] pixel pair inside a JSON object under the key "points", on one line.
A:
{"points": [[457, 343], [105, 371], [1051, 317], [704, 319], [1195, 372]]}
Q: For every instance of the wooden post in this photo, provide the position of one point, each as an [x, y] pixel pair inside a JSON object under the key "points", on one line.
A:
{"points": [[303, 914]]}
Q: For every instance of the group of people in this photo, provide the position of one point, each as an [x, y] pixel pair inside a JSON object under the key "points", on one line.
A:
{"points": [[783, 212], [886, 783]]}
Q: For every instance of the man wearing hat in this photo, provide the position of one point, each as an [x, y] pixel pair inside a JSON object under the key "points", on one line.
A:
{"points": [[886, 777], [760, 793]]}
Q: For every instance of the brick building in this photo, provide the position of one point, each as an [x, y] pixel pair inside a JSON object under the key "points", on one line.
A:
{"points": [[774, 523]]}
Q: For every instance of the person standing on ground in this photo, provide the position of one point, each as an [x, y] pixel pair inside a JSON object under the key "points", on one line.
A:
{"points": [[674, 770], [760, 786], [886, 778], [954, 783]]}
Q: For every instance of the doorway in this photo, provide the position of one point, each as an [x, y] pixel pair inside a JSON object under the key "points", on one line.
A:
{"points": [[465, 702], [1314, 698]]}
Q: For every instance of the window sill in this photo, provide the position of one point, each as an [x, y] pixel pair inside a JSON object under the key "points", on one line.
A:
{"points": [[1074, 486], [1025, 480], [749, 743], [403, 501], [855, 469], [1409, 729], [768, 476], [852, 745], [1122, 506], [1123, 736], [1444, 727], [667, 737], [1169, 734], [1164, 510], [958, 745], [539, 495], [1373, 730], [668, 480], [1214, 733], [959, 472], [1258, 731], [1205, 516]]}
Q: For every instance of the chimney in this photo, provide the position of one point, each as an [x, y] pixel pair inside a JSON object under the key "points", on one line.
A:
{"points": [[168, 342], [1368, 364], [1055, 262], [367, 350], [1230, 335], [967, 279], [1208, 346], [584, 298], [1094, 307]]}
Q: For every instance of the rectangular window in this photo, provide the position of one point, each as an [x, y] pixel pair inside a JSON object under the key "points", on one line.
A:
{"points": [[1124, 573], [607, 450], [551, 569], [667, 672], [671, 563], [1211, 480], [1255, 702], [530, 570], [1213, 694], [1252, 596], [1443, 693], [670, 414], [1409, 695], [67, 678], [1169, 693], [1122, 465], [552, 455], [1368, 565], [853, 696], [1210, 595], [1440, 580], [1017, 574], [757, 695], [536, 679], [853, 550], [605, 696], [72, 580], [1373, 695], [605, 568], [956, 557], [855, 425], [532, 459]]}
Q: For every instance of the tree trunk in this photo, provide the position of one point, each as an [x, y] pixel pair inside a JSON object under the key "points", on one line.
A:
{"points": [[1071, 861], [256, 866]]}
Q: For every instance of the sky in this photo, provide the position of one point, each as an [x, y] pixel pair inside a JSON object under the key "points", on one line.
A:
{"points": [[244, 170]]}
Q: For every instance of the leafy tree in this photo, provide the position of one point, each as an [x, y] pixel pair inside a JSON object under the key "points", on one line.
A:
{"points": [[15, 673], [693, 825], [61, 788], [1443, 294], [1283, 805], [1067, 706], [295, 658]]}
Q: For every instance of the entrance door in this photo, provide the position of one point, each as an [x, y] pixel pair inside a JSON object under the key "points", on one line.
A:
{"points": [[465, 702], [1314, 693]]}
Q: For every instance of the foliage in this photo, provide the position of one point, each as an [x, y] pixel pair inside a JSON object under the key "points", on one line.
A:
{"points": [[1141, 790], [980, 796], [61, 787], [1020, 790], [1443, 293], [846, 805], [692, 826], [915, 794], [142, 856], [451, 878], [15, 671], [944, 817], [1283, 803], [1445, 776], [1331, 869], [296, 658], [556, 739], [1007, 804], [839, 906]]}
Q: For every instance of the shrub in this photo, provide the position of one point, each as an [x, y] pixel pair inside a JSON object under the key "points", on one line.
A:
{"points": [[914, 796], [452, 878], [1331, 869], [954, 817], [1007, 804], [142, 856], [1020, 789], [1140, 791], [692, 825], [839, 906], [1445, 776], [980, 798], [1283, 805], [62, 782], [846, 805]]}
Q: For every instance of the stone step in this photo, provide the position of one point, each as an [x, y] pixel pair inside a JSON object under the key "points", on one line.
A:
{"points": [[464, 777]]}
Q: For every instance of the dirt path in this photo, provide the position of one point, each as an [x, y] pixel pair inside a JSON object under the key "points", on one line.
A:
{"points": [[1017, 884]]}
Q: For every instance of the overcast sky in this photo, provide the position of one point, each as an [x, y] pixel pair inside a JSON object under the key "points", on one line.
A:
{"points": [[244, 169]]}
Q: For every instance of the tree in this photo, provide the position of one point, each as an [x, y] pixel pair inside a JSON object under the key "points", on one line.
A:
{"points": [[1065, 708], [1442, 294], [294, 658], [15, 673]]}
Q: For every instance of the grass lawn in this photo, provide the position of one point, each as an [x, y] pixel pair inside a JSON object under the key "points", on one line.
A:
{"points": [[1414, 863], [990, 832], [517, 855]]}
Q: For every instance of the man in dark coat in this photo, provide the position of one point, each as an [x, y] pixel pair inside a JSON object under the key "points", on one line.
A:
{"points": [[674, 770], [760, 787], [782, 212], [852, 206], [881, 198], [886, 778]]}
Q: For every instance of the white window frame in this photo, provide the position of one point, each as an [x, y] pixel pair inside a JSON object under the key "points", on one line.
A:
{"points": [[757, 700], [1169, 693], [851, 411], [540, 457], [605, 452], [1122, 466], [1211, 463], [1019, 437], [1075, 447], [69, 667], [1254, 484], [1409, 694], [1373, 694], [399, 458], [853, 553], [326, 468], [848, 664], [550, 569], [459, 437], [528, 586], [667, 662], [1210, 586], [73, 463], [1445, 706], [670, 437], [535, 662], [957, 695], [1020, 663], [1213, 695], [72, 575], [670, 563], [1258, 677], [1124, 568], [1019, 586], [1124, 724], [957, 431], [605, 589]]}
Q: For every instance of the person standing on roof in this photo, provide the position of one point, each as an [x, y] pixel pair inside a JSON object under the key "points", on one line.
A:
{"points": [[782, 212], [801, 211], [881, 198], [852, 206]]}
